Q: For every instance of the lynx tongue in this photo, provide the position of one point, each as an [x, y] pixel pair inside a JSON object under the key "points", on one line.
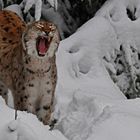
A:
{"points": [[42, 46]]}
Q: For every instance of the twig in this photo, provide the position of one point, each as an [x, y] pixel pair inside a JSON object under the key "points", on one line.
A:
{"points": [[15, 114]]}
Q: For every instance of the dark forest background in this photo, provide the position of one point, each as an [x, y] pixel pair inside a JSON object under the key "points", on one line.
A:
{"points": [[73, 13]]}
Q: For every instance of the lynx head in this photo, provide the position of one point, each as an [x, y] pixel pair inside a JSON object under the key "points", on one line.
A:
{"points": [[40, 39]]}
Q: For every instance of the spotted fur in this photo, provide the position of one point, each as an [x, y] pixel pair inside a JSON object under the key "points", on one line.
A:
{"points": [[30, 75]]}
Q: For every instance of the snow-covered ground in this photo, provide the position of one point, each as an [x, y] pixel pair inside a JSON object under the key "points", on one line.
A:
{"points": [[89, 105], [26, 127]]}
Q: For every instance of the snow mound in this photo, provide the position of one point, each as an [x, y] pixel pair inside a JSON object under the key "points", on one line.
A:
{"points": [[80, 63], [120, 122], [87, 99], [91, 118], [26, 127]]}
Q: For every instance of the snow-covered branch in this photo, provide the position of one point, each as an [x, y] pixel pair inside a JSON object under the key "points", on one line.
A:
{"points": [[123, 15]]}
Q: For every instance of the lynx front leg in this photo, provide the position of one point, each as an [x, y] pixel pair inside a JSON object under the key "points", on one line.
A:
{"points": [[31, 105], [45, 109], [32, 97]]}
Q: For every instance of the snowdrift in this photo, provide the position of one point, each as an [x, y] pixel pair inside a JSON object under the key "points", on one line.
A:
{"points": [[86, 92], [26, 127]]}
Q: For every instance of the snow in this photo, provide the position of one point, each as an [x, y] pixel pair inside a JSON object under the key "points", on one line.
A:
{"points": [[26, 127], [85, 89], [96, 119], [53, 3], [15, 8], [118, 122], [123, 16], [79, 60], [88, 104], [10, 99], [126, 29], [27, 4], [83, 79]]}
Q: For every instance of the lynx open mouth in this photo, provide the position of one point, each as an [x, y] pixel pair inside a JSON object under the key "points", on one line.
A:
{"points": [[42, 45]]}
